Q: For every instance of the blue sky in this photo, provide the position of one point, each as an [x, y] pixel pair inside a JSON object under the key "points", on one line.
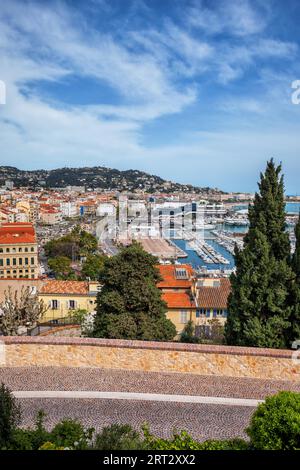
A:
{"points": [[195, 91]]}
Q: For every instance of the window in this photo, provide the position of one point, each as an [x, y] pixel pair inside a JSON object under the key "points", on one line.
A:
{"points": [[181, 273], [32, 248], [72, 304], [54, 304], [20, 250], [20, 261], [26, 260], [1, 262], [208, 312], [7, 250], [1, 250], [26, 250], [183, 316], [32, 260], [7, 262], [200, 312], [14, 261]]}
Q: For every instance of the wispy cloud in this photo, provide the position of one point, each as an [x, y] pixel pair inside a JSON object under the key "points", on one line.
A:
{"points": [[156, 71]]}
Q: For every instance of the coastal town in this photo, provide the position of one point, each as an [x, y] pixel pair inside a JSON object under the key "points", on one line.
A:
{"points": [[149, 232], [193, 240]]}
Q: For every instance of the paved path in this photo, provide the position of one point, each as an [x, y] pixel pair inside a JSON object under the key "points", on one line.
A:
{"points": [[208, 407], [137, 396]]}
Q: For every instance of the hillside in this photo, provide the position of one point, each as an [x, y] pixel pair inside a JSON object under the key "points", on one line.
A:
{"points": [[95, 178]]}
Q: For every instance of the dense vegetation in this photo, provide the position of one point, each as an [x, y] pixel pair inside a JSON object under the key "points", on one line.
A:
{"points": [[129, 305], [263, 308], [199, 334], [95, 178], [274, 425], [76, 245]]}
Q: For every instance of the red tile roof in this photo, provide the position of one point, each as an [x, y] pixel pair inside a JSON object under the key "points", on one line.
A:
{"points": [[178, 300], [168, 275], [18, 232], [65, 287], [214, 297]]}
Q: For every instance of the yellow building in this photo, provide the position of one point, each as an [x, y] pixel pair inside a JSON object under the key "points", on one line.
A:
{"points": [[211, 298], [18, 251], [64, 297]]}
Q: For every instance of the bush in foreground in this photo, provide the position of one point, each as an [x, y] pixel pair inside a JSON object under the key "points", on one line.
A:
{"points": [[275, 424]]}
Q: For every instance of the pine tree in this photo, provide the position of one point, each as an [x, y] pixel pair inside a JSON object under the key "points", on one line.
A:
{"points": [[258, 306], [129, 305]]}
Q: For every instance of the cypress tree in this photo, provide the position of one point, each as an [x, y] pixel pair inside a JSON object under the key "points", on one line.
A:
{"points": [[294, 332], [268, 211], [258, 310], [296, 255]]}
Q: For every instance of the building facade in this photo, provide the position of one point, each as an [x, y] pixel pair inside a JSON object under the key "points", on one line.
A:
{"points": [[62, 298], [18, 251]]}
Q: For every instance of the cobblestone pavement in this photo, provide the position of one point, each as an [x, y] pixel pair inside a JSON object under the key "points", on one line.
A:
{"points": [[68, 378], [202, 420]]}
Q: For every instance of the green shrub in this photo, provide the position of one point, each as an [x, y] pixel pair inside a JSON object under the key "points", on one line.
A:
{"points": [[183, 441], [10, 416], [71, 434], [275, 425], [31, 439], [231, 444], [118, 437], [50, 446]]}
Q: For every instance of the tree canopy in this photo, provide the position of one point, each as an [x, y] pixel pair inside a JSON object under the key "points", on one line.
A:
{"points": [[129, 304]]}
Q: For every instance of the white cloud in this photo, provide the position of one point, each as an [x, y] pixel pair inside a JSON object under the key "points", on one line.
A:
{"points": [[237, 17], [155, 73]]}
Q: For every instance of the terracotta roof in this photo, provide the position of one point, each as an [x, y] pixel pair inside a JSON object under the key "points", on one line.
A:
{"points": [[178, 300], [168, 273], [13, 239], [214, 297], [65, 287], [18, 232]]}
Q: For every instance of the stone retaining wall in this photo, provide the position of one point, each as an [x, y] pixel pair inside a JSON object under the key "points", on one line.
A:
{"points": [[151, 356]]}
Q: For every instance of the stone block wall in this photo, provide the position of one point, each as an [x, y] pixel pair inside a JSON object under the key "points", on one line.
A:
{"points": [[151, 356]]}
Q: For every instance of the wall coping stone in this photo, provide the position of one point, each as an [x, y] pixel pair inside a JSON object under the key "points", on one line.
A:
{"points": [[153, 345]]}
